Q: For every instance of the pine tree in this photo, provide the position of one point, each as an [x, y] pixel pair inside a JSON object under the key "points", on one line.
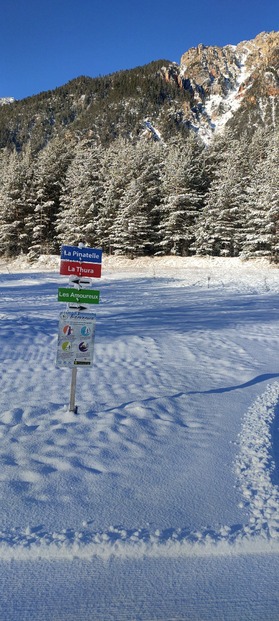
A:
{"points": [[15, 201], [182, 182], [131, 228], [262, 229], [131, 189], [80, 197], [49, 174], [115, 174], [221, 227]]}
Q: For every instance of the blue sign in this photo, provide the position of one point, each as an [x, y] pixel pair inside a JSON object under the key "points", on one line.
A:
{"points": [[74, 253]]}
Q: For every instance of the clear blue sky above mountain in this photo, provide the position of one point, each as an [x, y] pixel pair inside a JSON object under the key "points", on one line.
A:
{"points": [[46, 43]]}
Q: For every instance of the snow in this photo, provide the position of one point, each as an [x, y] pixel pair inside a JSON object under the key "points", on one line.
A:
{"points": [[154, 131], [6, 100], [231, 102], [159, 499]]}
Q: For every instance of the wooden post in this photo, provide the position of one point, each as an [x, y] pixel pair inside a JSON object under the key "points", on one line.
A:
{"points": [[73, 407]]}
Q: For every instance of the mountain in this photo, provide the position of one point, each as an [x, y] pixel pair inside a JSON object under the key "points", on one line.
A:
{"points": [[212, 88], [235, 85], [102, 108]]}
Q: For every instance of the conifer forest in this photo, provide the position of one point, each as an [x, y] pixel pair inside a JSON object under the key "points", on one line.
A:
{"points": [[130, 192]]}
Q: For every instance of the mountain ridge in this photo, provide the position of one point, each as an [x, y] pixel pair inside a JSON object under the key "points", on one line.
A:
{"points": [[213, 87]]}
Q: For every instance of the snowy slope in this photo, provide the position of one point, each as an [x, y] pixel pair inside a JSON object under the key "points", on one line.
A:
{"points": [[232, 101], [167, 478]]}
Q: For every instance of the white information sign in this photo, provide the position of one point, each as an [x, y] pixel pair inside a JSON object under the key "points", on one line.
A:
{"points": [[75, 339]]}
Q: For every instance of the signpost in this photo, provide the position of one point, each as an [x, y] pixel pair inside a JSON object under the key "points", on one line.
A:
{"points": [[75, 339], [77, 330], [84, 296], [68, 268], [82, 254]]}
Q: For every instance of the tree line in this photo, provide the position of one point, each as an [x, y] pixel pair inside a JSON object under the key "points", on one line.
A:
{"points": [[143, 197]]}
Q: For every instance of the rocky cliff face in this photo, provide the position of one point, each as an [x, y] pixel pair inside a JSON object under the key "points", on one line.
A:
{"points": [[232, 84]]}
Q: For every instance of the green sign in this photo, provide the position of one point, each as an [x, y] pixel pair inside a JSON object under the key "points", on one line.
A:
{"points": [[86, 296]]}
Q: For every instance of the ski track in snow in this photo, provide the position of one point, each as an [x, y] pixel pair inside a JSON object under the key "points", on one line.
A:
{"points": [[48, 455]]}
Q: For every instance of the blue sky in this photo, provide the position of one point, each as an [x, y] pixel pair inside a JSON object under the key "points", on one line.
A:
{"points": [[46, 43]]}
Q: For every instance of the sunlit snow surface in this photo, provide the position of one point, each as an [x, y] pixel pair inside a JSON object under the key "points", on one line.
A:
{"points": [[173, 456]]}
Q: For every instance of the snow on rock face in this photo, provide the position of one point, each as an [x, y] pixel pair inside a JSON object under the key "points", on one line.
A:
{"points": [[153, 131], [6, 100], [219, 79]]}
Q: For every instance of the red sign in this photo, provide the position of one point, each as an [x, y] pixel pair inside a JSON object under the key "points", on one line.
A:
{"points": [[92, 270]]}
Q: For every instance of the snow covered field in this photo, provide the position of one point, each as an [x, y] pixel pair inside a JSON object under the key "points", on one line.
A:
{"points": [[160, 499]]}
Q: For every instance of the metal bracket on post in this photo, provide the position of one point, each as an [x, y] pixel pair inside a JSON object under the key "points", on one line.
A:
{"points": [[73, 407]]}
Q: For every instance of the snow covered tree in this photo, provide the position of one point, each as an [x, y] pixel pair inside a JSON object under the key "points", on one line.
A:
{"points": [[80, 197], [262, 228], [134, 228], [221, 227], [115, 174], [182, 198], [131, 228], [49, 174], [15, 201]]}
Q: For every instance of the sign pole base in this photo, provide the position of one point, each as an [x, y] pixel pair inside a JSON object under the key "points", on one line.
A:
{"points": [[73, 407]]}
